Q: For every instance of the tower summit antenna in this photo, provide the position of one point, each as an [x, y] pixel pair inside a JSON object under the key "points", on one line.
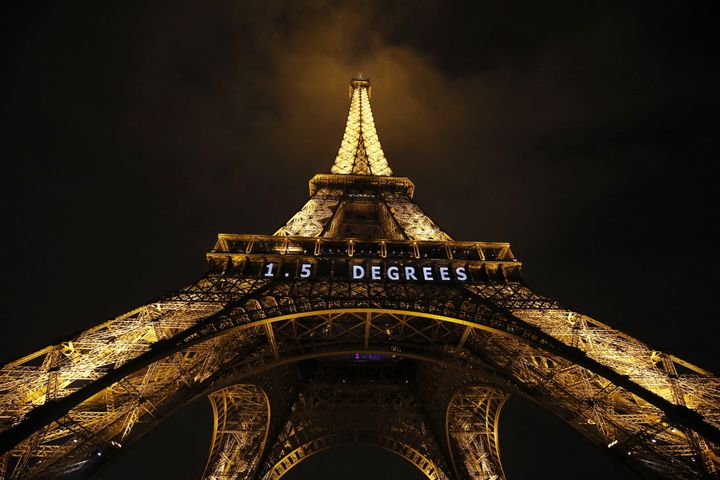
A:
{"points": [[360, 151]]}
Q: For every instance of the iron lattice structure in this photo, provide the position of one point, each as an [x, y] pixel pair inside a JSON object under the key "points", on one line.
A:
{"points": [[298, 354]]}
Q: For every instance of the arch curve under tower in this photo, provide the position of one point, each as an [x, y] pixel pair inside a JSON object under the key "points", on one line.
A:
{"points": [[270, 330], [407, 452]]}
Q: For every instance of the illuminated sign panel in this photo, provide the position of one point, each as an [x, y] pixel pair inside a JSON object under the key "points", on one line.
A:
{"points": [[361, 271]]}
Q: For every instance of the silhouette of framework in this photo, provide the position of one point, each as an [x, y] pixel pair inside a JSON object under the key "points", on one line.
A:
{"points": [[298, 352]]}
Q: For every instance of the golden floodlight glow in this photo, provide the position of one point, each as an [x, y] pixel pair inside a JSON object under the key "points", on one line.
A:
{"points": [[270, 332]]}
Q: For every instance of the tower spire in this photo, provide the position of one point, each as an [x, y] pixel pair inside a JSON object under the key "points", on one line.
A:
{"points": [[360, 152]]}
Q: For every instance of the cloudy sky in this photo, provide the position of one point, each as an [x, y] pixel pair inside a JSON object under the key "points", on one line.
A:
{"points": [[584, 134]]}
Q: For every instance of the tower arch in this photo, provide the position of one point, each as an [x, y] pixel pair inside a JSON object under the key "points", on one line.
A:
{"points": [[407, 452]]}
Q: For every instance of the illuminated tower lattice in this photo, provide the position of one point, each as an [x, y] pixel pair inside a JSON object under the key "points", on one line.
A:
{"points": [[359, 320]]}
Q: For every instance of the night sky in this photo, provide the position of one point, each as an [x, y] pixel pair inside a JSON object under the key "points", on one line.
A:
{"points": [[584, 135]]}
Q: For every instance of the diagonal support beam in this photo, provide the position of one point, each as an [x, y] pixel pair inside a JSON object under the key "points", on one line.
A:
{"points": [[368, 325], [463, 339], [271, 339]]}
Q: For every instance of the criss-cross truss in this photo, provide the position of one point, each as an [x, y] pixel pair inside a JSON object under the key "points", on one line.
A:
{"points": [[359, 321]]}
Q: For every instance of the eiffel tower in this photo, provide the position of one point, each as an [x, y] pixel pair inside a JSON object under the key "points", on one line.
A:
{"points": [[358, 321]]}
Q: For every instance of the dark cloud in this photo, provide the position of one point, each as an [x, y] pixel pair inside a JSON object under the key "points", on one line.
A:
{"points": [[585, 135]]}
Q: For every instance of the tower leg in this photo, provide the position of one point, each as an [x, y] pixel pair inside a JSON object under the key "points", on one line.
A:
{"points": [[467, 420], [472, 432], [246, 419], [241, 418]]}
